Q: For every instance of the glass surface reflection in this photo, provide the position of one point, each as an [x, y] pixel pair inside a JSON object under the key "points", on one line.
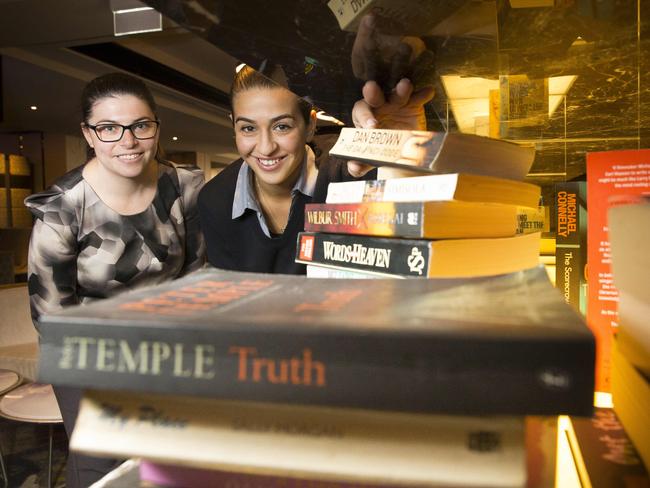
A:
{"points": [[567, 76]]}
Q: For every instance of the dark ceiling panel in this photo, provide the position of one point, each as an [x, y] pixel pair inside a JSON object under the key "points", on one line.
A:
{"points": [[135, 63]]}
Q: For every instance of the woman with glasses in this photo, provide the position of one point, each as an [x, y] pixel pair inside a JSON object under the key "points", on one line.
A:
{"points": [[124, 219]]}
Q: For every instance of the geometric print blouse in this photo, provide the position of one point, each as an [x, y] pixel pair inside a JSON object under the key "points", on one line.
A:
{"points": [[82, 250]]}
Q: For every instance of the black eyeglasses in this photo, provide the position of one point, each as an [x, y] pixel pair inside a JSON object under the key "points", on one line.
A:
{"points": [[144, 129]]}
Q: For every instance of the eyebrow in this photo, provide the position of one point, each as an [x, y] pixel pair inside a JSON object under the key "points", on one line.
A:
{"points": [[274, 119], [141, 119]]}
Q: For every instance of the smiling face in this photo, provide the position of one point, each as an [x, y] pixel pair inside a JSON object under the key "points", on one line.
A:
{"points": [[271, 133], [129, 156]]}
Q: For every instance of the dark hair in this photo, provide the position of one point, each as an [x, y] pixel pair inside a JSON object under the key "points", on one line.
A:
{"points": [[110, 85], [113, 84], [247, 79]]}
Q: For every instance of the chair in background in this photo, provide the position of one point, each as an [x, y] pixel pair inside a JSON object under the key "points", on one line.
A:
{"points": [[18, 337], [8, 381], [33, 403]]}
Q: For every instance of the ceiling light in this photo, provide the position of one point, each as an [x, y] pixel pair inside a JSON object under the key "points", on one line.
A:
{"points": [[469, 99], [33, 107], [239, 67], [174, 138], [134, 17]]}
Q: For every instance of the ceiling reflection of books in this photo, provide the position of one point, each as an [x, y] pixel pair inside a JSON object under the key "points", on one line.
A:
{"points": [[565, 76]]}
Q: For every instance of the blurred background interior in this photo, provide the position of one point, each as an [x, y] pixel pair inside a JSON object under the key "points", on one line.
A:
{"points": [[567, 76]]}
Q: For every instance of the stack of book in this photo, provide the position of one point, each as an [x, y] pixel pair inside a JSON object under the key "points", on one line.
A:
{"points": [[473, 218], [239, 379], [571, 242], [547, 247], [629, 236], [603, 453]]}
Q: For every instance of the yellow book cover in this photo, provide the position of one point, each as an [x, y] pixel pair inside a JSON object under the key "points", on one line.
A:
{"points": [[631, 397]]}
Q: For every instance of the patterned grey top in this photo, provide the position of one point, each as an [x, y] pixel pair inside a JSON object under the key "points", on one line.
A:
{"points": [[82, 250]]}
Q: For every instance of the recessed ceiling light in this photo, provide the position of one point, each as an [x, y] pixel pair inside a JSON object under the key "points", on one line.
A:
{"points": [[33, 107], [174, 138], [239, 67]]}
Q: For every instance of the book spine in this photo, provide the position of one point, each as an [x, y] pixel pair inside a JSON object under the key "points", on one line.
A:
{"points": [[390, 256], [287, 440], [609, 457], [416, 150], [530, 219], [421, 219], [348, 13], [571, 243], [403, 219], [408, 372], [317, 271], [170, 475], [422, 188], [631, 398]]}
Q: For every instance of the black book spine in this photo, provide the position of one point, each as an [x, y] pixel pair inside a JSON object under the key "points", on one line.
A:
{"points": [[571, 243], [609, 456], [442, 373], [402, 257]]}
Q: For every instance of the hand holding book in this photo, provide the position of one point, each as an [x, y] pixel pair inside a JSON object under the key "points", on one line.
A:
{"points": [[404, 109]]}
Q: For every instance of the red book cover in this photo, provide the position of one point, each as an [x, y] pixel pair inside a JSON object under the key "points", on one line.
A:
{"points": [[609, 174]]}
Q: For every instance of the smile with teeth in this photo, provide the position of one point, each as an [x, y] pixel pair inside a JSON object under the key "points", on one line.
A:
{"points": [[129, 157], [269, 162]]}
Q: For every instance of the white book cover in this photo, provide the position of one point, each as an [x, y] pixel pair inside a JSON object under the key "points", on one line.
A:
{"points": [[314, 442]]}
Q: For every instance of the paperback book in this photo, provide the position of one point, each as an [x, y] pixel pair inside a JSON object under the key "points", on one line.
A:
{"points": [[318, 271], [605, 456], [609, 174], [427, 220], [405, 17], [453, 186], [419, 258], [435, 152], [631, 397], [571, 243], [158, 475], [328, 444], [629, 234], [509, 340]]}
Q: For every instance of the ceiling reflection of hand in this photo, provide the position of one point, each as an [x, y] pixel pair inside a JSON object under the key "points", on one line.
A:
{"points": [[381, 57]]}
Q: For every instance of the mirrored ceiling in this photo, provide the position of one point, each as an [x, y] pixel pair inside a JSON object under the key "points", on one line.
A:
{"points": [[568, 76]]}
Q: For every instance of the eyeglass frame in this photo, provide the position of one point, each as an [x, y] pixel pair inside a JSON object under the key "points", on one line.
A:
{"points": [[124, 129]]}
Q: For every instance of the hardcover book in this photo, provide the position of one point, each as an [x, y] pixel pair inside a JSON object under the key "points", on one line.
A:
{"points": [[509, 340], [609, 174], [419, 258], [453, 186], [428, 220], [327, 444], [571, 243], [435, 152]]}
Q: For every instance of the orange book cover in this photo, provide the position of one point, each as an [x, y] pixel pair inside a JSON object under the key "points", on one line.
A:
{"points": [[609, 174]]}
